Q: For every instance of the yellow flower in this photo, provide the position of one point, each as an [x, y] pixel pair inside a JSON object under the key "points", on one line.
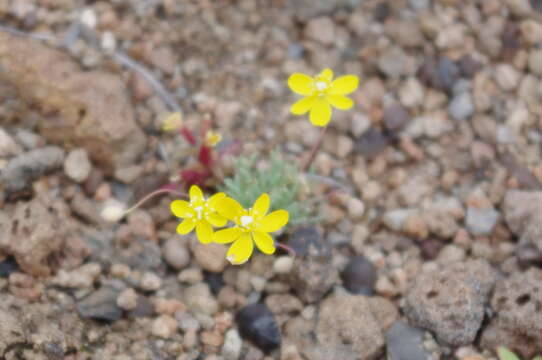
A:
{"points": [[212, 138], [321, 93], [198, 213], [172, 122], [251, 226]]}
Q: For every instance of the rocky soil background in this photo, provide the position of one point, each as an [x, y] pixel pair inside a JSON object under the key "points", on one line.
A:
{"points": [[433, 250]]}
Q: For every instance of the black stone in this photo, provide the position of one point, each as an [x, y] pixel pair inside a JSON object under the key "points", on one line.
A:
{"points": [[258, 325], [359, 276], [100, 305], [372, 143], [214, 280], [8, 266]]}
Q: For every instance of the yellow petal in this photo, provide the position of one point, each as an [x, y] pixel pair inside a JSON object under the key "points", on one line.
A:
{"points": [[301, 84], [204, 231], [213, 200], [216, 220], [340, 102], [320, 113], [196, 195], [229, 208], [326, 74], [172, 122], [186, 226], [181, 208], [273, 221], [261, 206], [212, 138], [264, 242], [301, 106], [240, 250], [227, 235], [344, 85]]}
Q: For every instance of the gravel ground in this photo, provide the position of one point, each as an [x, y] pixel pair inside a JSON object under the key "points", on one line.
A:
{"points": [[432, 248]]}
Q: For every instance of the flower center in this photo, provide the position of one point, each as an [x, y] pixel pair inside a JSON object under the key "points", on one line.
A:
{"points": [[246, 220], [199, 210], [321, 85]]}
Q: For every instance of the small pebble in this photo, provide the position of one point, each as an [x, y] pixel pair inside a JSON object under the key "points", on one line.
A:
{"points": [[175, 253], [127, 299], [461, 107], [150, 282], [164, 326], [231, 350], [77, 165], [283, 264]]}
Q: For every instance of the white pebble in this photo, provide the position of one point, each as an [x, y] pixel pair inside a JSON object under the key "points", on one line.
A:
{"points": [[88, 18], [283, 265], [113, 210]]}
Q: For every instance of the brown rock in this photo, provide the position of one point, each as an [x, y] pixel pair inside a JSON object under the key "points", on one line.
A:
{"points": [[348, 329], [35, 231], [211, 257], [384, 311], [451, 302], [90, 109], [517, 303]]}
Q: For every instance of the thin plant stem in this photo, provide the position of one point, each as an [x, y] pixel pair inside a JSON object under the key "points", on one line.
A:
{"points": [[290, 250], [312, 154], [153, 194]]}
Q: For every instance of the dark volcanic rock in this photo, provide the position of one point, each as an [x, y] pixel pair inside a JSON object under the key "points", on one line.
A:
{"points": [[359, 276], [100, 305], [372, 143], [257, 323]]}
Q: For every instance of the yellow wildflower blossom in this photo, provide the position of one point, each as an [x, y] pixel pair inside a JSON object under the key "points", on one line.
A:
{"points": [[172, 122], [251, 226], [199, 213], [212, 138], [321, 93]]}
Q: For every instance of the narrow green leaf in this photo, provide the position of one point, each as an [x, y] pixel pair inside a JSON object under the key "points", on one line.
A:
{"points": [[505, 354]]}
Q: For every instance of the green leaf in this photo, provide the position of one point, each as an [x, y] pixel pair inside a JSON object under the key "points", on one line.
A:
{"points": [[505, 354], [280, 179], [539, 357]]}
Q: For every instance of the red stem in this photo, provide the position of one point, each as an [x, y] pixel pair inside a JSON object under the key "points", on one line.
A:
{"points": [[189, 136], [314, 149], [290, 250]]}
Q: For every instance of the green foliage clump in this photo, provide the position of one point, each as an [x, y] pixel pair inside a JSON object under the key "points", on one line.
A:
{"points": [[505, 354], [281, 180]]}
